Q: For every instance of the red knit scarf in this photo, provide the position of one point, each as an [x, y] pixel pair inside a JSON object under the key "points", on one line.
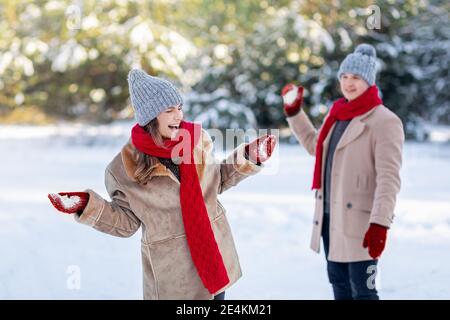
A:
{"points": [[199, 234], [343, 110]]}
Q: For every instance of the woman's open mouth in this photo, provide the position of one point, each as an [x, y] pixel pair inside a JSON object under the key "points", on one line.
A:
{"points": [[174, 127]]}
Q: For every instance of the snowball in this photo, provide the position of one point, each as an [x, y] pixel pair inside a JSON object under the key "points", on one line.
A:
{"points": [[262, 150], [290, 96], [69, 202]]}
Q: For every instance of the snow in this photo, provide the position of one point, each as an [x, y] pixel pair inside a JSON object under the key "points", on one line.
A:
{"points": [[437, 133], [71, 55], [290, 96], [69, 202], [264, 147], [262, 150], [215, 110], [270, 215]]}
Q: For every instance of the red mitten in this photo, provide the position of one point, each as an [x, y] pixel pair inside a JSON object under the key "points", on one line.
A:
{"points": [[69, 202], [375, 240], [292, 99], [259, 150]]}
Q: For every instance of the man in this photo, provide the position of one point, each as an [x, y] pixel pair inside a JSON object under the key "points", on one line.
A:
{"points": [[358, 153]]}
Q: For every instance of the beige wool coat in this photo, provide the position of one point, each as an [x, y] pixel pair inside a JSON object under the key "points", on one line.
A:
{"points": [[365, 179], [154, 206]]}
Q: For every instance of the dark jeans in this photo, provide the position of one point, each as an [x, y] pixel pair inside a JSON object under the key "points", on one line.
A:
{"points": [[350, 280], [220, 296]]}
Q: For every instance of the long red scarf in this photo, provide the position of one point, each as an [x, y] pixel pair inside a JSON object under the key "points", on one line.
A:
{"points": [[343, 110], [199, 234]]}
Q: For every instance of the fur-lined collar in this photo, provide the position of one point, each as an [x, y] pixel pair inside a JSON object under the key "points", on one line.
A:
{"points": [[157, 168]]}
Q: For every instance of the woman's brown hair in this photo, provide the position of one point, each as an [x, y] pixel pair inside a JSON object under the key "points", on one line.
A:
{"points": [[144, 161]]}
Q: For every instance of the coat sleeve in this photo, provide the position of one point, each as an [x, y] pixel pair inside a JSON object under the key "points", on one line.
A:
{"points": [[304, 131], [234, 168], [116, 217], [389, 139]]}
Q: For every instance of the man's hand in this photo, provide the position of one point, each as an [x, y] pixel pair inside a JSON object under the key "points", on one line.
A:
{"points": [[375, 240], [292, 99]]}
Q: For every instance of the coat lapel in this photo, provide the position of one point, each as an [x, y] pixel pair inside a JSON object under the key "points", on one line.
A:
{"points": [[354, 129]]}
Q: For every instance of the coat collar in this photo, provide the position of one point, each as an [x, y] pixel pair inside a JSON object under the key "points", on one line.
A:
{"points": [[156, 167], [354, 129]]}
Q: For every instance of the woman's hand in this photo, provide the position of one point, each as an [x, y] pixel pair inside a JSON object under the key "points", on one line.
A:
{"points": [[260, 150], [292, 99], [69, 202]]}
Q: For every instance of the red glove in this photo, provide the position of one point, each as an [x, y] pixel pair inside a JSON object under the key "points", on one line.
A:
{"points": [[259, 150], [69, 202], [292, 99], [375, 239]]}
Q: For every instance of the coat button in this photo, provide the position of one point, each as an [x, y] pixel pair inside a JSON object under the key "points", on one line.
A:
{"points": [[316, 222], [320, 197], [349, 205]]}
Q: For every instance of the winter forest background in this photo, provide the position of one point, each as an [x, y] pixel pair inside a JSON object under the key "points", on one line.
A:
{"points": [[65, 112]]}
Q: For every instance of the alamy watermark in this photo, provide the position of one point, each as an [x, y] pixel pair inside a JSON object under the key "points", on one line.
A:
{"points": [[231, 143], [74, 14], [374, 280], [373, 21], [73, 281]]}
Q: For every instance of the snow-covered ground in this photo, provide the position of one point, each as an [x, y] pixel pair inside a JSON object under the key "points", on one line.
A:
{"points": [[43, 251]]}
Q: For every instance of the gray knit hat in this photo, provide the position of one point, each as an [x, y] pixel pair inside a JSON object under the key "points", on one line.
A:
{"points": [[361, 62], [151, 95]]}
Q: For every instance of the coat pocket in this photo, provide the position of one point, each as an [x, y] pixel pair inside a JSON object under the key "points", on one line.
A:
{"points": [[150, 283], [365, 183], [225, 242], [357, 211], [175, 273]]}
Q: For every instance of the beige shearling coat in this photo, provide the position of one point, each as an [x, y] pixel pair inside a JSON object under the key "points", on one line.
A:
{"points": [[154, 206]]}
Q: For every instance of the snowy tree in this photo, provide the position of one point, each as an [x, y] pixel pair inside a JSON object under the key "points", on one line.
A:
{"points": [[282, 47], [305, 43], [71, 58], [415, 57]]}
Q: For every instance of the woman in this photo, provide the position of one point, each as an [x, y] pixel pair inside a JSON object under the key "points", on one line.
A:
{"points": [[165, 179]]}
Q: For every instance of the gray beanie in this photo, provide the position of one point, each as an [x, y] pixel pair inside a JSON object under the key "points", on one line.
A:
{"points": [[151, 95], [361, 62]]}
